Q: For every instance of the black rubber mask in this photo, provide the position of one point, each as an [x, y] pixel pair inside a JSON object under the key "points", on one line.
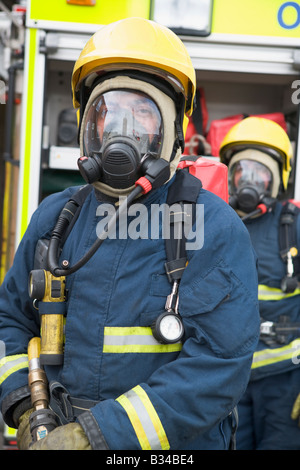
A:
{"points": [[120, 129], [249, 182]]}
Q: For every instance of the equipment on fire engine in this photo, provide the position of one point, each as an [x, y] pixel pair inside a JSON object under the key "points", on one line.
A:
{"points": [[67, 128], [42, 420]]}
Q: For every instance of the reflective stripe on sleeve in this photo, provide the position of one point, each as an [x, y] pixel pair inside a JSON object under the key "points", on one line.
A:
{"points": [[11, 364], [134, 340], [271, 356], [273, 293], [144, 419]]}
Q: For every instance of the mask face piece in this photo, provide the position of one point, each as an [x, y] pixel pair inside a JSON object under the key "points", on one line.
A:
{"points": [[249, 181], [120, 128], [247, 172]]}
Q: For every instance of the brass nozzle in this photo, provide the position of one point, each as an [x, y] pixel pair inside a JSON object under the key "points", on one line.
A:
{"points": [[34, 348], [37, 379]]}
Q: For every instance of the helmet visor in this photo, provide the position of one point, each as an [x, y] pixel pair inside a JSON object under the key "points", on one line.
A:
{"points": [[123, 113], [249, 173]]}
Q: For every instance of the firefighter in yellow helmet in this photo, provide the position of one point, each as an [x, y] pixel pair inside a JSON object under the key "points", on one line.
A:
{"points": [[125, 56], [157, 350], [260, 151], [259, 155]]}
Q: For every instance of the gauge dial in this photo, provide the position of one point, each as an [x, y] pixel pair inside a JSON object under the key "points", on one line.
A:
{"points": [[168, 328]]}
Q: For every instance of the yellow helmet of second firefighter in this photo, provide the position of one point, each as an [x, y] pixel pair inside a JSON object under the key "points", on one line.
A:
{"points": [[138, 44], [261, 134]]}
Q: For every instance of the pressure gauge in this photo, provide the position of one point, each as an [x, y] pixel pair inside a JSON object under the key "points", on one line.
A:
{"points": [[168, 328], [289, 284]]}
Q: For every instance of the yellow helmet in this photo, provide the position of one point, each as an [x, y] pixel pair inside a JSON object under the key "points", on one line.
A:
{"points": [[138, 44], [262, 134]]}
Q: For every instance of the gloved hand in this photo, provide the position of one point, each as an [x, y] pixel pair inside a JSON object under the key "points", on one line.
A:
{"points": [[296, 409], [68, 437], [23, 434]]}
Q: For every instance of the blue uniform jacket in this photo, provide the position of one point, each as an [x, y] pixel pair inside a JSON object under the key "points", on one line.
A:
{"points": [[151, 396], [273, 303]]}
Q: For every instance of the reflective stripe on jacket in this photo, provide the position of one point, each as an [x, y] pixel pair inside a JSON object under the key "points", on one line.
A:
{"points": [[135, 339], [274, 293], [267, 357], [11, 364], [144, 419]]}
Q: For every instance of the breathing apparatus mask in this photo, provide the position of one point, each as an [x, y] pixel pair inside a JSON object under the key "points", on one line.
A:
{"points": [[123, 131], [254, 180]]}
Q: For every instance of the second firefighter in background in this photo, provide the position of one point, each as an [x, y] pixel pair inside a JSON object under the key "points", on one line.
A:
{"points": [[259, 154]]}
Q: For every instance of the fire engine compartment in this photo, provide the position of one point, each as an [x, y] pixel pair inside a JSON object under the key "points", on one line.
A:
{"points": [[230, 87]]}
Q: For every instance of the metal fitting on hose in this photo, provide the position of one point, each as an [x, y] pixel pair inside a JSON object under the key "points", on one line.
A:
{"points": [[42, 420]]}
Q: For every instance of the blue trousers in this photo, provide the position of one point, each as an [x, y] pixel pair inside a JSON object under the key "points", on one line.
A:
{"points": [[265, 414]]}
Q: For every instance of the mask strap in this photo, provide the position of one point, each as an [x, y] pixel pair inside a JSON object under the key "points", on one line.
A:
{"points": [[179, 142], [83, 102]]}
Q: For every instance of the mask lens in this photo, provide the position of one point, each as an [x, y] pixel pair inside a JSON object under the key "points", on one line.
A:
{"points": [[250, 173], [120, 113]]}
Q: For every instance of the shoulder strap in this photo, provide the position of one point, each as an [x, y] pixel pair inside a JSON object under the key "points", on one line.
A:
{"points": [[197, 114], [288, 233], [185, 189]]}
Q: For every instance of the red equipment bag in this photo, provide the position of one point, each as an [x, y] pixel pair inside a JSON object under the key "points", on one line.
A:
{"points": [[296, 203], [219, 128], [213, 174]]}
